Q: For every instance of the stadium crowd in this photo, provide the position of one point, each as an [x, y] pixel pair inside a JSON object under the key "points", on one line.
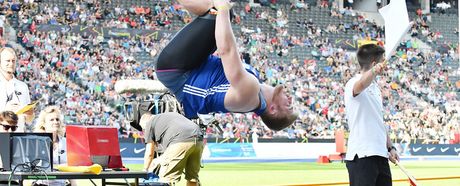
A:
{"points": [[78, 71], [96, 13]]}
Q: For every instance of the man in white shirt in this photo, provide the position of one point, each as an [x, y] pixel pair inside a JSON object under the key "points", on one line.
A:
{"points": [[14, 94], [369, 145]]}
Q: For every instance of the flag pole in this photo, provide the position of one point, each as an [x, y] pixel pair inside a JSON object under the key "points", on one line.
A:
{"points": [[412, 180]]}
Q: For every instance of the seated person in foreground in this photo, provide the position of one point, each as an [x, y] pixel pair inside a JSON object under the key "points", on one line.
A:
{"points": [[9, 121], [50, 120]]}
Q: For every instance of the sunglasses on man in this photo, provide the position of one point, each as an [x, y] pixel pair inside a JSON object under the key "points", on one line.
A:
{"points": [[8, 127]]}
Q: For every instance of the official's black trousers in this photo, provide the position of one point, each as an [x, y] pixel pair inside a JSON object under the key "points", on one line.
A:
{"points": [[369, 171]]}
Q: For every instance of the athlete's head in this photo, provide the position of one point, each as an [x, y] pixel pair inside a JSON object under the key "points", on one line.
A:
{"points": [[279, 113]]}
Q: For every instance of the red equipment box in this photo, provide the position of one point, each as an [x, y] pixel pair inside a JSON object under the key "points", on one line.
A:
{"points": [[87, 145]]}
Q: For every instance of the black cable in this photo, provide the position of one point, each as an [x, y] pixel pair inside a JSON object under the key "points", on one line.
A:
{"points": [[36, 179], [37, 176], [46, 176], [34, 167], [12, 172], [24, 166], [30, 167]]}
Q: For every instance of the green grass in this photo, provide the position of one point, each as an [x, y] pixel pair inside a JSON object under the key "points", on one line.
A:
{"points": [[267, 174]]}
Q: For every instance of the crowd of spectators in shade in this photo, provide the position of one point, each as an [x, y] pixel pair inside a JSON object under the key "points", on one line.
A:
{"points": [[104, 14], [83, 70], [78, 71]]}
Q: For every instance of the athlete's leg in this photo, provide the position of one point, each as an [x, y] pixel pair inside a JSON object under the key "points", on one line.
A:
{"points": [[190, 47]]}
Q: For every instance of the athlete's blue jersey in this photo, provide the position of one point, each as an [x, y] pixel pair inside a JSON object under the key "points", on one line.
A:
{"points": [[205, 89]]}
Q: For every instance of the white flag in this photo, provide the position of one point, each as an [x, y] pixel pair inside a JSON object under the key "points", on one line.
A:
{"points": [[396, 24]]}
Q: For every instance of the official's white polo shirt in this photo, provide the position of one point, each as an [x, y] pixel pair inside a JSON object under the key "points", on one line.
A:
{"points": [[368, 133], [17, 92]]}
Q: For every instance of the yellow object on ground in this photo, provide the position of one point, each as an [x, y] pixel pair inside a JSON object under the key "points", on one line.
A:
{"points": [[94, 169]]}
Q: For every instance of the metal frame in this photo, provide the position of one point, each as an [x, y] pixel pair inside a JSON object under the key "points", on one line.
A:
{"points": [[21, 176]]}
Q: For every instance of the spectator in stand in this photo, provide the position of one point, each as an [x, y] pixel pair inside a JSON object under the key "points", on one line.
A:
{"points": [[50, 120], [9, 121]]}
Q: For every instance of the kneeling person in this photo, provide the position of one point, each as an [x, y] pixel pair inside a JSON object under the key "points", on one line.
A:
{"points": [[179, 142]]}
